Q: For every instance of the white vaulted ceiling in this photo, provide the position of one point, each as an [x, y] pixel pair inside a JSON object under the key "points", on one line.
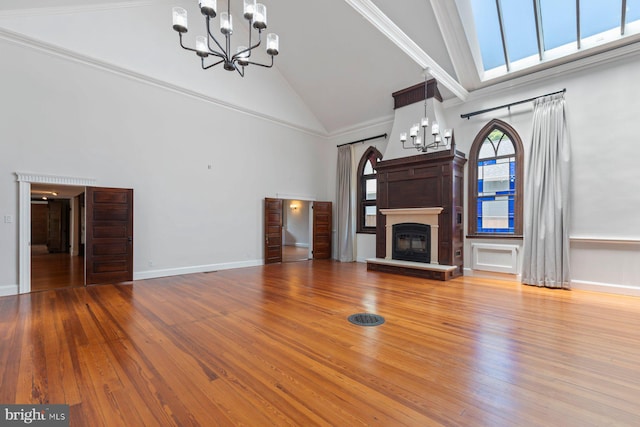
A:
{"points": [[339, 60]]}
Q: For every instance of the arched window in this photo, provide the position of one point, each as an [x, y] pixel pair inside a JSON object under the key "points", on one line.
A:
{"points": [[367, 191], [495, 182]]}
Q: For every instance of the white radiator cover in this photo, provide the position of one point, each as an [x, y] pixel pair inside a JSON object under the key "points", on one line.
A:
{"points": [[494, 257]]}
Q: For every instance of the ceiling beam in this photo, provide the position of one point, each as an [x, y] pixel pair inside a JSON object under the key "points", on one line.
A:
{"points": [[539, 34], [387, 27], [465, 62], [505, 51]]}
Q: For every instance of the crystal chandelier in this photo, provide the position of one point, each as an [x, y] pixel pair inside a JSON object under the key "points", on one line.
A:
{"points": [[255, 13], [418, 141]]}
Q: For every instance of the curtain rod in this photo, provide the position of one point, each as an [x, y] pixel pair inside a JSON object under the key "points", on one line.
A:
{"points": [[475, 113], [384, 135]]}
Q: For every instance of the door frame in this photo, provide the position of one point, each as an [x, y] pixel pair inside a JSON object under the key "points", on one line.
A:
{"points": [[24, 220], [308, 199], [311, 201]]}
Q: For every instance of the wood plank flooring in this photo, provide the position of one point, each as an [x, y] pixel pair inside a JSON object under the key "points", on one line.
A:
{"points": [[294, 254], [57, 270], [272, 345]]}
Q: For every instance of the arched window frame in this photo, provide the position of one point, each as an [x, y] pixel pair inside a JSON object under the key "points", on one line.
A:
{"points": [[473, 180], [373, 155]]}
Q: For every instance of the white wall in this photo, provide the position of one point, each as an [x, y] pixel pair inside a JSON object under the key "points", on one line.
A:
{"points": [[146, 45], [68, 118], [601, 107]]}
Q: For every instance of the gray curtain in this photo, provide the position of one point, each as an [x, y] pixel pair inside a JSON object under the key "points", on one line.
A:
{"points": [[546, 203], [344, 205]]}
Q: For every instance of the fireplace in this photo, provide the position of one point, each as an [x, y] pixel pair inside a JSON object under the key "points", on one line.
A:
{"points": [[424, 217], [411, 242]]}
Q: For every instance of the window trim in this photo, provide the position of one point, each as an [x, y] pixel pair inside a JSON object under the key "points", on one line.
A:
{"points": [[374, 155], [472, 194]]}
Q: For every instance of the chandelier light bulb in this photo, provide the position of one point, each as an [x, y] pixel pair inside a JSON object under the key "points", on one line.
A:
{"points": [[201, 46], [418, 141], [424, 122], [226, 23], [413, 132], [273, 44], [249, 9], [260, 17], [403, 137], [179, 19], [447, 133], [208, 8], [435, 128], [242, 57]]}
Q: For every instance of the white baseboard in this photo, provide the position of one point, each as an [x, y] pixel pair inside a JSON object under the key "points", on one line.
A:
{"points": [[7, 290], [297, 245], [492, 275], [154, 274], [610, 288], [583, 285]]}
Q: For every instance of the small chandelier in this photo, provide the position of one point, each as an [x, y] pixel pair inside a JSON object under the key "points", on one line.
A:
{"points": [[255, 13], [419, 142]]}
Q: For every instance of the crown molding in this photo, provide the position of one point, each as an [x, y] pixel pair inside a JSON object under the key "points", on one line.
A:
{"points": [[362, 126], [387, 27], [61, 10], [66, 54]]}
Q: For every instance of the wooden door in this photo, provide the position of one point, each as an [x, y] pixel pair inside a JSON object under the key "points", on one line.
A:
{"points": [[58, 226], [54, 228], [39, 223], [109, 235], [322, 225], [272, 231]]}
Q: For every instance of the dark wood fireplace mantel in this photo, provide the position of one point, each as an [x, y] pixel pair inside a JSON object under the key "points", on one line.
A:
{"points": [[422, 181]]}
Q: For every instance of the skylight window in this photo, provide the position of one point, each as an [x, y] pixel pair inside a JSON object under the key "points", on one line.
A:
{"points": [[559, 18], [513, 35]]}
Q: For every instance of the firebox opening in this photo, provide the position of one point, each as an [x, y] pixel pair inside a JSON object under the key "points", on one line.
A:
{"points": [[412, 242]]}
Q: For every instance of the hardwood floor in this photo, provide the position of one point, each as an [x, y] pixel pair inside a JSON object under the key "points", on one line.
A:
{"points": [[55, 270], [272, 345], [294, 254]]}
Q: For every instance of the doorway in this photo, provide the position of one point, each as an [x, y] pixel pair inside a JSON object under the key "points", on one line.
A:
{"points": [[320, 229], [296, 230], [107, 226], [57, 236]]}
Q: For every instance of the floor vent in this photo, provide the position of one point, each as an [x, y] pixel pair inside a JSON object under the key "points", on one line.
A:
{"points": [[366, 319]]}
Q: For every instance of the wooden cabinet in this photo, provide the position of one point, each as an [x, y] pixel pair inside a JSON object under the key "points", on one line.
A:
{"points": [[426, 180]]}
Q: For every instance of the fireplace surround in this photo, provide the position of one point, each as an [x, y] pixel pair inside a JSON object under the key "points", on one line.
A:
{"points": [[426, 189], [419, 216]]}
